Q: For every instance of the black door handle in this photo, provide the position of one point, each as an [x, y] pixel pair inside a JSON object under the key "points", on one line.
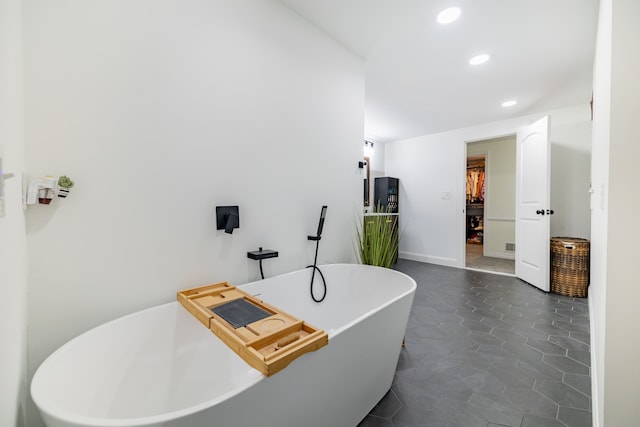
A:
{"points": [[540, 211]]}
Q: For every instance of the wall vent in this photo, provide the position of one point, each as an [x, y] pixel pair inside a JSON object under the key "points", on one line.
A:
{"points": [[511, 247]]}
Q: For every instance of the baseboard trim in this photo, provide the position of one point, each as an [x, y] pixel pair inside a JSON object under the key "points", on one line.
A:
{"points": [[447, 262]]}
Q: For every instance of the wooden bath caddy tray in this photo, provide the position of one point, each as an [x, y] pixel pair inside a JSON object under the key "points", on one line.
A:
{"points": [[266, 337]]}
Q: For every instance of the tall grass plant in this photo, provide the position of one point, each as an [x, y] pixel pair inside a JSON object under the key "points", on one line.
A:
{"points": [[378, 238]]}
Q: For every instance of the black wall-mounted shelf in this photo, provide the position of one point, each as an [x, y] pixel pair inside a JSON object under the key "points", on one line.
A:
{"points": [[262, 254]]}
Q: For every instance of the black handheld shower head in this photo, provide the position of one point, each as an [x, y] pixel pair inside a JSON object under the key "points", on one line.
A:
{"points": [[316, 238], [318, 235]]}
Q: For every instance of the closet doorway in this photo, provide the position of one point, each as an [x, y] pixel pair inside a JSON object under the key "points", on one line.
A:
{"points": [[490, 205]]}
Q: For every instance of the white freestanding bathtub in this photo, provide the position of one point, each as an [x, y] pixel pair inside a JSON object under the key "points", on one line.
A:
{"points": [[161, 367]]}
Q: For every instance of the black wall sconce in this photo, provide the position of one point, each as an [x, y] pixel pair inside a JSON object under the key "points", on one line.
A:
{"points": [[227, 218]]}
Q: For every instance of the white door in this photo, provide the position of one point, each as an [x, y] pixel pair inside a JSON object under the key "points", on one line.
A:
{"points": [[532, 204]]}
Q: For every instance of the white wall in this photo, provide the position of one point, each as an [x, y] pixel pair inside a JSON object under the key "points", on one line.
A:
{"points": [[614, 290], [431, 166], [13, 252], [500, 199], [377, 159], [159, 111], [427, 167]]}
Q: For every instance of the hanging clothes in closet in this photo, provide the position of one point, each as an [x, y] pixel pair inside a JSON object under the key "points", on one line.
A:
{"points": [[475, 185]]}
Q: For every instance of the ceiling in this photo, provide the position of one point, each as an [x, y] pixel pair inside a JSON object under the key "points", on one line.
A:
{"points": [[418, 78]]}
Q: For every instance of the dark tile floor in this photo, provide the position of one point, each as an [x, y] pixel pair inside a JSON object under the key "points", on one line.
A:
{"points": [[488, 350]]}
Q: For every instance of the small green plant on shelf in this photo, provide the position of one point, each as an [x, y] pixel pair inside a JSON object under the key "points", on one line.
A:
{"points": [[378, 238], [65, 182]]}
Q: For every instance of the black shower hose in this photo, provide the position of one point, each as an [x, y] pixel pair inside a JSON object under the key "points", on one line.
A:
{"points": [[313, 275]]}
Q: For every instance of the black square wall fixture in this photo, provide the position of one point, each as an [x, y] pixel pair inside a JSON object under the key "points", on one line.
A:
{"points": [[227, 218]]}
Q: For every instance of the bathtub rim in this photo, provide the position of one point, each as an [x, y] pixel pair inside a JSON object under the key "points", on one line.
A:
{"points": [[255, 375], [333, 332]]}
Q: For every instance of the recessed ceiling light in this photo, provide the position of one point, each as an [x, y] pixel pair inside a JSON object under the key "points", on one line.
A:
{"points": [[479, 59], [449, 15], [509, 103]]}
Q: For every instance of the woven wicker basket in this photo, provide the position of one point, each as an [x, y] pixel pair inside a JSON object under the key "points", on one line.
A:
{"points": [[569, 266]]}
